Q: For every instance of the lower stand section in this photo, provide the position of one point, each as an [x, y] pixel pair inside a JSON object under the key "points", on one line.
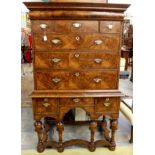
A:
{"points": [[108, 141]]}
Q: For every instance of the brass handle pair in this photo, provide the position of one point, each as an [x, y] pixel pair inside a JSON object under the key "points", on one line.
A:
{"points": [[44, 27], [46, 104], [106, 102]]}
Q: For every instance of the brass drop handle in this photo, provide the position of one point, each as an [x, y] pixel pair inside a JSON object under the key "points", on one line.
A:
{"points": [[44, 37], [43, 26], [97, 80], [77, 55], [77, 74], [56, 41], [76, 100], [110, 26], [107, 103], [55, 60], [76, 25], [46, 104], [98, 42], [56, 80], [98, 60]]}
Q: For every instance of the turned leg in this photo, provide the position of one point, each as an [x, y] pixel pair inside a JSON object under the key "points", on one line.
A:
{"points": [[105, 130], [92, 129], [39, 129], [60, 128], [113, 126]]}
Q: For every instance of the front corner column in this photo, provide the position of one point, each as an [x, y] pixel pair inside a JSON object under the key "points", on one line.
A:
{"points": [[39, 129], [113, 126], [60, 128]]}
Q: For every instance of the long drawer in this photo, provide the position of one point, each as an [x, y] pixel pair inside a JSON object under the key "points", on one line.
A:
{"points": [[76, 60], [81, 79], [95, 41]]}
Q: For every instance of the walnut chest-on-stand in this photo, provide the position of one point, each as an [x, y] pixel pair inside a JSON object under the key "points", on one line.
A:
{"points": [[76, 56]]}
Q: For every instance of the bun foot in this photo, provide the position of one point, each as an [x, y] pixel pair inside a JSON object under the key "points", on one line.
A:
{"points": [[112, 148], [60, 149], [92, 148], [40, 148]]}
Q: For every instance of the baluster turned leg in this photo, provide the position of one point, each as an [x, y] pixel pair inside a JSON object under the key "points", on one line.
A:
{"points": [[39, 129], [113, 126], [105, 130], [60, 128], [92, 129]]}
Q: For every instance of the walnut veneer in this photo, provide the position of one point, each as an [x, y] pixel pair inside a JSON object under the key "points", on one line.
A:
{"points": [[76, 51]]}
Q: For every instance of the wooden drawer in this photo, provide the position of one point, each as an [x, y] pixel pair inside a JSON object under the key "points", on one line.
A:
{"points": [[76, 26], [46, 106], [48, 60], [79, 41], [76, 80], [65, 26], [110, 27], [74, 102], [76, 60], [36, 26], [93, 60], [108, 105]]}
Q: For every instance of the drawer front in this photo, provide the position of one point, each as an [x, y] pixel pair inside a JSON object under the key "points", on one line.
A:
{"points": [[64, 26], [107, 105], [79, 41], [76, 26], [93, 60], [93, 80], [43, 26], [47, 60], [110, 27], [46, 106], [76, 80], [74, 102], [76, 60], [52, 80]]}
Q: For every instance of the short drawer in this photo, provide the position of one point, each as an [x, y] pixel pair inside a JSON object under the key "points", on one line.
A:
{"points": [[48, 60], [74, 102], [108, 105], [80, 79], [110, 27], [46, 106], [43, 26], [77, 41], [64, 26]]}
